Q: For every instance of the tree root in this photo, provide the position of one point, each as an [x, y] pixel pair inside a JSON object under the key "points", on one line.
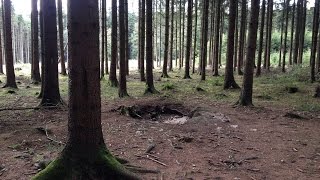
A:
{"points": [[103, 168]]}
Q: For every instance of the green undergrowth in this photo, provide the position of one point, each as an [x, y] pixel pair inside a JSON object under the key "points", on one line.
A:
{"points": [[271, 89]]}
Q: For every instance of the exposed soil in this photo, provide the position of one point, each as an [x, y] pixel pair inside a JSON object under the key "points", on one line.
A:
{"points": [[214, 140]]}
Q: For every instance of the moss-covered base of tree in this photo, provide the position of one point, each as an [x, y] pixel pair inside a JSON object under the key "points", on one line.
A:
{"points": [[151, 90], [105, 166]]}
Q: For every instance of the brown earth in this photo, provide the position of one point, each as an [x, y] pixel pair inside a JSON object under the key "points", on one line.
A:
{"points": [[218, 141]]}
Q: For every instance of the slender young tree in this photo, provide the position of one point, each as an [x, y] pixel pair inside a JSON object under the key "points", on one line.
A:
{"points": [[171, 36], [285, 36], [297, 32], [85, 155], [204, 39], [1, 58], [149, 60], [61, 46], [166, 42], [263, 11], [195, 37], [292, 31], [51, 94], [114, 46], [281, 32], [189, 41], [103, 43], [242, 35], [142, 40], [11, 78], [246, 93], [122, 53], [229, 81], [315, 30], [35, 72], [217, 40]]}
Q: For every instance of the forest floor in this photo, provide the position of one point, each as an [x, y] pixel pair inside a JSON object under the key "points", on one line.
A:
{"points": [[188, 133]]}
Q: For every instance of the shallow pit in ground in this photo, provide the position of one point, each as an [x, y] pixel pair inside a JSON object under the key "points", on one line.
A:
{"points": [[158, 112]]}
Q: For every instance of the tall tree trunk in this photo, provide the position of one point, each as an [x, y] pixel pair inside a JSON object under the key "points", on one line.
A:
{"points": [[189, 41], [11, 78], [166, 42], [204, 40], [85, 155], [42, 47], [229, 81], [269, 34], [263, 12], [242, 35], [51, 94], [285, 36], [61, 46], [297, 34], [180, 34], [114, 46], [315, 30], [127, 47], [302, 31], [281, 32], [102, 46], [35, 72], [246, 93], [292, 31], [235, 58], [177, 35], [183, 32], [123, 66], [171, 36], [195, 37], [1, 55], [221, 37], [142, 39], [217, 40], [106, 45], [149, 61]]}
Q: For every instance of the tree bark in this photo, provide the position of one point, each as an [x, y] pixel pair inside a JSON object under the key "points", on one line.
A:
{"points": [[142, 40], [51, 95], [114, 46], [149, 60], [263, 11], [171, 36], [229, 81], [204, 40], [103, 30], [246, 93], [189, 41], [315, 30], [123, 66], [85, 156], [11, 78], [195, 37], [242, 36], [292, 31], [217, 40], [166, 42], [285, 36], [61, 46], [35, 72]]}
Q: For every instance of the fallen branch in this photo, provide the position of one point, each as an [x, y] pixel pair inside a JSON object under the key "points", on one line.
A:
{"points": [[154, 160], [150, 148]]}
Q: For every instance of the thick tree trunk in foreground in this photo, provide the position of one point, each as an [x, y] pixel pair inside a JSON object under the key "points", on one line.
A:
{"points": [[1, 57], [85, 155], [51, 95], [114, 46], [149, 60], [122, 51], [11, 78], [189, 41], [35, 71], [166, 43], [246, 93], [229, 81]]}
